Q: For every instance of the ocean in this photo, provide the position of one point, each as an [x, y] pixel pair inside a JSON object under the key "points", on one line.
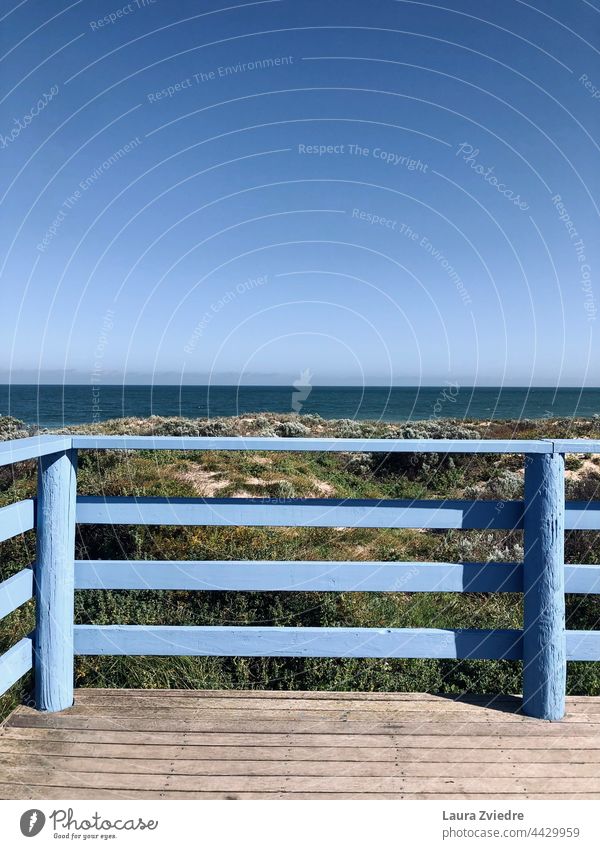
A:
{"points": [[57, 405]]}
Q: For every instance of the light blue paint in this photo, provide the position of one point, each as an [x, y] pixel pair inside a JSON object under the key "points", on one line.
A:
{"points": [[15, 591], [255, 641], [298, 576], [576, 446], [17, 518], [544, 645], [581, 578], [582, 516], [583, 645], [544, 652], [317, 576], [54, 581], [13, 451], [15, 663], [313, 513], [16, 450], [257, 443]]}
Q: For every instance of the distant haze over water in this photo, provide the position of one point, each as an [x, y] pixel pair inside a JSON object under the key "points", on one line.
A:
{"points": [[54, 406]]}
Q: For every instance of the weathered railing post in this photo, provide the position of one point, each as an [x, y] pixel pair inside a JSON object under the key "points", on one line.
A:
{"points": [[544, 654], [53, 645]]}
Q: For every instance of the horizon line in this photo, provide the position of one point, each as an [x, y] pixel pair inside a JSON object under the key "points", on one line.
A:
{"points": [[314, 386]]}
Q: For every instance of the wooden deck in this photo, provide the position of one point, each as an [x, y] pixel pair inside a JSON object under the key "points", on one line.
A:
{"points": [[125, 744]]}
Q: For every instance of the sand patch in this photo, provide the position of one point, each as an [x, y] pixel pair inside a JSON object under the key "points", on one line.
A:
{"points": [[205, 483], [253, 481], [322, 487]]}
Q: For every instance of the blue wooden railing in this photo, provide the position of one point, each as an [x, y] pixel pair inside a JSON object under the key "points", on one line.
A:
{"points": [[543, 644]]}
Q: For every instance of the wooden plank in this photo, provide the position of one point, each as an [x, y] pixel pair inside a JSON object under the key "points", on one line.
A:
{"points": [[17, 518], [434, 727], [344, 713], [300, 512], [184, 706], [44, 748], [104, 701], [255, 641], [582, 516], [361, 695], [504, 739], [17, 450], [53, 638], [15, 591], [74, 765], [544, 645], [503, 702], [296, 784], [299, 714], [44, 792], [580, 578], [257, 443], [589, 704], [309, 695], [320, 700], [577, 446], [583, 645], [311, 708], [379, 707], [299, 576], [15, 663]]}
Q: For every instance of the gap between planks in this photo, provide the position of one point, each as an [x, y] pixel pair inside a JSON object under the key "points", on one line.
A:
{"points": [[399, 768], [9, 791], [344, 754]]}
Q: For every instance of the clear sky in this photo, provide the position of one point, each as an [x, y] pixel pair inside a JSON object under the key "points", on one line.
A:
{"points": [[373, 192]]}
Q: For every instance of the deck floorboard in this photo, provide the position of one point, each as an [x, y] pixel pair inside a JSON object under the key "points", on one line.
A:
{"points": [[128, 744]]}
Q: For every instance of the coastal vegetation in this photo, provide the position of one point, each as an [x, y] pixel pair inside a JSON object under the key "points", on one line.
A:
{"points": [[288, 475]]}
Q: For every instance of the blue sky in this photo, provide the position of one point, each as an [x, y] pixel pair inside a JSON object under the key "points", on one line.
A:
{"points": [[379, 192]]}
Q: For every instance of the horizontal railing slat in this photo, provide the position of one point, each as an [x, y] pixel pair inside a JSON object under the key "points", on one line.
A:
{"points": [[583, 645], [15, 663], [315, 513], [298, 576], [582, 516], [16, 450], [17, 518], [579, 515], [582, 578], [257, 443], [576, 446], [254, 641], [15, 591], [316, 576]]}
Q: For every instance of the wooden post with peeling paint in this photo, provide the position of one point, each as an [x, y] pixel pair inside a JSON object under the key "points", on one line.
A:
{"points": [[544, 650], [54, 581]]}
